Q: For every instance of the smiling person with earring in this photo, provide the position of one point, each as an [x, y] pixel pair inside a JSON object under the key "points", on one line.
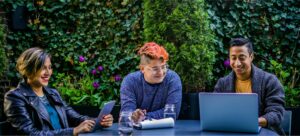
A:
{"points": [[147, 91], [35, 109], [247, 78]]}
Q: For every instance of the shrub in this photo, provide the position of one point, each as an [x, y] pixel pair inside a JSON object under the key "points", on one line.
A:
{"points": [[183, 28], [292, 93], [89, 86], [3, 58]]}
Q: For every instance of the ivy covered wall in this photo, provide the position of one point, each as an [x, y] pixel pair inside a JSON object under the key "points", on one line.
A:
{"points": [[273, 26], [107, 33], [104, 33], [3, 58]]}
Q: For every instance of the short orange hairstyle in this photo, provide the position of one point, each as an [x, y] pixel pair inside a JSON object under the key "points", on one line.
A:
{"points": [[152, 50]]}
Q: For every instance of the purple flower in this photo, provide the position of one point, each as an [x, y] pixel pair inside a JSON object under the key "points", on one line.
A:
{"points": [[100, 68], [94, 72], [96, 85], [81, 59], [227, 63], [118, 78]]}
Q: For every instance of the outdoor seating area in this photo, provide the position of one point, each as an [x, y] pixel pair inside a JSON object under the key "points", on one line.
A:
{"points": [[62, 61]]}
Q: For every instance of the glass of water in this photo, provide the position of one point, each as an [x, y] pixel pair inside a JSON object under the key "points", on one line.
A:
{"points": [[125, 123], [169, 111]]}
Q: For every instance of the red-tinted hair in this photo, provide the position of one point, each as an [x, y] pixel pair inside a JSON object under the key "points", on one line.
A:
{"points": [[154, 51]]}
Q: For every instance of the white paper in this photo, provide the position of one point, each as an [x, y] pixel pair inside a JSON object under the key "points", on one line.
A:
{"points": [[159, 123]]}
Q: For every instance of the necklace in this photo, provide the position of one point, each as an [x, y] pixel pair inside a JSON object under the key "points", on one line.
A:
{"points": [[38, 92], [44, 99]]}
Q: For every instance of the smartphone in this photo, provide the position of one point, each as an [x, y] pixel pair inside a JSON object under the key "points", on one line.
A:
{"points": [[107, 108]]}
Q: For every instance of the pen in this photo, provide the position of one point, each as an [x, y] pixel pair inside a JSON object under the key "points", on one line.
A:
{"points": [[144, 112]]}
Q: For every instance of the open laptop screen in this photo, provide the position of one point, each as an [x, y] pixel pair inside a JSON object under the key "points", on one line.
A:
{"points": [[232, 112]]}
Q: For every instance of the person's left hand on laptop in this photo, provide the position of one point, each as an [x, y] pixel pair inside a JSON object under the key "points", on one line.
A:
{"points": [[262, 122], [107, 121]]}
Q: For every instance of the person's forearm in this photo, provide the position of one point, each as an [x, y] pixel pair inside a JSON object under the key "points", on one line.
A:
{"points": [[158, 114]]}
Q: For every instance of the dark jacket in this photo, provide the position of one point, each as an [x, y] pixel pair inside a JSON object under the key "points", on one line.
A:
{"points": [[26, 113], [270, 95]]}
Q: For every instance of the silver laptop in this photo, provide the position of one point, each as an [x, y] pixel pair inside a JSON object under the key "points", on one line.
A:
{"points": [[232, 112]]}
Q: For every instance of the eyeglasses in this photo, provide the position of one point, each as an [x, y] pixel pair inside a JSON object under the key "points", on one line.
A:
{"points": [[157, 69]]}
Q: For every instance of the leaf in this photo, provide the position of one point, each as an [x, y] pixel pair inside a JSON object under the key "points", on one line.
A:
{"points": [[276, 25], [291, 26], [275, 18], [233, 14], [229, 24], [82, 98]]}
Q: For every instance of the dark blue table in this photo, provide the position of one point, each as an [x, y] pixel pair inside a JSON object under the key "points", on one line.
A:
{"points": [[182, 127]]}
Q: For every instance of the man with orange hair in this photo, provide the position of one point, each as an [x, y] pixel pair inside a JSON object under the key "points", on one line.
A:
{"points": [[147, 91]]}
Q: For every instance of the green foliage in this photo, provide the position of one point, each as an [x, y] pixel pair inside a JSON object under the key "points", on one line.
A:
{"points": [[183, 28], [3, 58], [106, 32], [277, 68], [292, 96], [93, 87], [272, 25], [292, 93]]}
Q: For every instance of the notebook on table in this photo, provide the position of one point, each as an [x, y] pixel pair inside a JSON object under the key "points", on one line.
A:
{"points": [[232, 112], [156, 123]]}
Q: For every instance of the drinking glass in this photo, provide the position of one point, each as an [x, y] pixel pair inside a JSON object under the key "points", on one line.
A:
{"points": [[125, 123], [169, 111]]}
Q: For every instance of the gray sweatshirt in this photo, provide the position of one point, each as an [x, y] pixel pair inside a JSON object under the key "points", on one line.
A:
{"points": [[270, 95]]}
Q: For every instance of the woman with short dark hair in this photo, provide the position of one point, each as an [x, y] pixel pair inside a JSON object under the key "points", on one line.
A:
{"points": [[34, 109]]}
